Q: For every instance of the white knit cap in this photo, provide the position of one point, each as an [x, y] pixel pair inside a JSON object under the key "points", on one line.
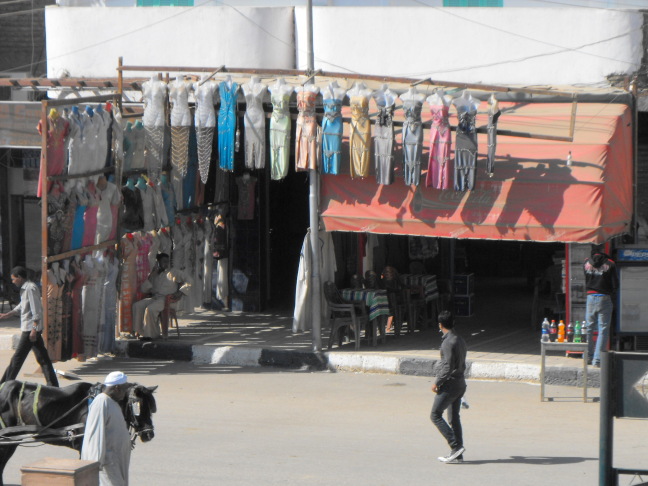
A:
{"points": [[115, 378]]}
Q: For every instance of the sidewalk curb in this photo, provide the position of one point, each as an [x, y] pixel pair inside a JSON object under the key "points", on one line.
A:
{"points": [[352, 362]]}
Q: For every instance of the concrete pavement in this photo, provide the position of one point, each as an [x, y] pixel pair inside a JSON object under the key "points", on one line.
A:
{"points": [[266, 339]]}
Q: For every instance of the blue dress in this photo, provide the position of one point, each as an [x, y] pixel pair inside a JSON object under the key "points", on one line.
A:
{"points": [[189, 181], [227, 125], [332, 135]]}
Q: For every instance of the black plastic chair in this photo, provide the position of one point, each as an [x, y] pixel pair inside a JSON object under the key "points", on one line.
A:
{"points": [[398, 296], [344, 314]]}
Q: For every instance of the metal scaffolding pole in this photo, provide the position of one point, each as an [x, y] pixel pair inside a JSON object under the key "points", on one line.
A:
{"points": [[313, 208]]}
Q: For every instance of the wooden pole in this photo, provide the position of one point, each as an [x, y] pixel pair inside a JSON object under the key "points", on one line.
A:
{"points": [[120, 81]]}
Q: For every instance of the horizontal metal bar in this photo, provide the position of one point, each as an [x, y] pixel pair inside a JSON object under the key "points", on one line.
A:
{"points": [[64, 177], [80, 101], [80, 251]]}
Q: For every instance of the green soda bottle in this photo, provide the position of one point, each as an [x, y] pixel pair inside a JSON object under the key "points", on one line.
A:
{"points": [[578, 332]]}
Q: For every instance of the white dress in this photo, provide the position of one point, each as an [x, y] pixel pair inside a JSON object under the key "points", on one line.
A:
{"points": [[110, 196]]}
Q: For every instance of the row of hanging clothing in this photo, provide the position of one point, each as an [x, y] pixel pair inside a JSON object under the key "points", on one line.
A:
{"points": [[79, 141], [81, 213], [189, 244], [320, 146], [81, 306]]}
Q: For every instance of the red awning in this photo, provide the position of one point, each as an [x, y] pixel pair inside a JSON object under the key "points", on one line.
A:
{"points": [[533, 196]]}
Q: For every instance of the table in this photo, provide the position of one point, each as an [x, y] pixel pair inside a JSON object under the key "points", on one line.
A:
{"points": [[378, 304], [563, 347]]}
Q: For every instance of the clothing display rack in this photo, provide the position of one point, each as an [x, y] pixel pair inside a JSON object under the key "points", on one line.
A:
{"points": [[487, 88], [47, 259]]}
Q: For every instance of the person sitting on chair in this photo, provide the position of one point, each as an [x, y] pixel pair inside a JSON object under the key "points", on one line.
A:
{"points": [[161, 283]]}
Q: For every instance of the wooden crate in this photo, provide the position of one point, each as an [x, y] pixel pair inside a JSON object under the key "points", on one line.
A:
{"points": [[61, 472]]}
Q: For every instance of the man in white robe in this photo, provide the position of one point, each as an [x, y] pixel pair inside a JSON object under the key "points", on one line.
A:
{"points": [[106, 438], [161, 282]]}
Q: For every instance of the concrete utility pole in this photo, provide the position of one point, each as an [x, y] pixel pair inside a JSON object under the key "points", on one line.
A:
{"points": [[313, 207]]}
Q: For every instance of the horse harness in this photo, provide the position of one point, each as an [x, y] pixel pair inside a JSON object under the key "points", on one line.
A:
{"points": [[23, 433]]}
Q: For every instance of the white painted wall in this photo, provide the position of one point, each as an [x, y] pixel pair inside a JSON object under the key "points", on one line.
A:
{"points": [[88, 41], [487, 45]]}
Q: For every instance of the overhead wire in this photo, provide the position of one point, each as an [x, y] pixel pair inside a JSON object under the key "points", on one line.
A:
{"points": [[448, 11]]}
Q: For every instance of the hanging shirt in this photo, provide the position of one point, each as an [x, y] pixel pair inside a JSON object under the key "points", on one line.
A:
{"points": [[107, 441]]}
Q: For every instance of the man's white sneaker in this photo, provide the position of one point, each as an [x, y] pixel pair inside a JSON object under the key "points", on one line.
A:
{"points": [[454, 454]]}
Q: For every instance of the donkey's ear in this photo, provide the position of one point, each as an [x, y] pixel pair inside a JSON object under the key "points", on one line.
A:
{"points": [[152, 388]]}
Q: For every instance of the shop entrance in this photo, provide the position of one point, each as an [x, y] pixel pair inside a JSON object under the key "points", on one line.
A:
{"points": [[288, 224]]}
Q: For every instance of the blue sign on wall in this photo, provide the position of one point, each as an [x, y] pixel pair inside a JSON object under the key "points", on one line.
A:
{"points": [[632, 255]]}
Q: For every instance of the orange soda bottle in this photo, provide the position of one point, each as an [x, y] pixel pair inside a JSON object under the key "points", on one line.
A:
{"points": [[561, 332]]}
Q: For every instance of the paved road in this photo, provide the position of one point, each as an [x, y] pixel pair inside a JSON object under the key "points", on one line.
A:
{"points": [[261, 426]]}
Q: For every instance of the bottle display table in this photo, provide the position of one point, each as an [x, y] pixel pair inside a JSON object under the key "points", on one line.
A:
{"points": [[563, 347]]}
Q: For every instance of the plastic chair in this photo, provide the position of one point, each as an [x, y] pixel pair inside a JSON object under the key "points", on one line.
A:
{"points": [[167, 315], [352, 315], [399, 299]]}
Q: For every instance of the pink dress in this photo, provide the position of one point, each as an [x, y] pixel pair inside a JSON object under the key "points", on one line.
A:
{"points": [[128, 283], [142, 263], [306, 132], [90, 216], [440, 166], [57, 131]]}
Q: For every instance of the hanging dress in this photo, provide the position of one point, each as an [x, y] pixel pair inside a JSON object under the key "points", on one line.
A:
{"points": [[57, 207], [492, 141], [440, 167], [154, 94], [142, 263], [412, 141], [75, 344], [53, 333], [169, 198], [90, 216], [128, 283], [57, 131], [254, 122], [332, 136], [132, 213], [384, 145], [359, 136], [208, 262], [180, 125], [306, 131], [138, 142], [279, 135], [227, 125], [75, 144], [92, 304], [465, 151], [189, 193], [109, 199], [107, 326], [205, 121], [81, 195], [66, 323]]}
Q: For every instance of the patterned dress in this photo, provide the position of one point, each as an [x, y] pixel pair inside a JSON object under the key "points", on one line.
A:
{"points": [[306, 132]]}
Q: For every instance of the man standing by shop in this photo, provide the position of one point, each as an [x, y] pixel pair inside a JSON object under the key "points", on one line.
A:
{"points": [[30, 311], [450, 386], [601, 282]]}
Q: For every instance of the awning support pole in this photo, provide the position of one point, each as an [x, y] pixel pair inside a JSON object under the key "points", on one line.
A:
{"points": [[313, 208]]}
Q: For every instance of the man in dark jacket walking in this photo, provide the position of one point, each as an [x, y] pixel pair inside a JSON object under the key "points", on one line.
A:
{"points": [[450, 386], [601, 282]]}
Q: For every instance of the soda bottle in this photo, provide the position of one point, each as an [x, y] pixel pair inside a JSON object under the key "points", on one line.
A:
{"points": [[561, 331], [545, 325], [552, 331], [570, 333], [584, 332], [577, 332], [545, 335]]}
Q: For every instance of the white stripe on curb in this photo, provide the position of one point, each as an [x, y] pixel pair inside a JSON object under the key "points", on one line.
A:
{"points": [[226, 355]]}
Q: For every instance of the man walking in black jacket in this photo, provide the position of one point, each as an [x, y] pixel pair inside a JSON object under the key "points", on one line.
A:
{"points": [[601, 282], [450, 386]]}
